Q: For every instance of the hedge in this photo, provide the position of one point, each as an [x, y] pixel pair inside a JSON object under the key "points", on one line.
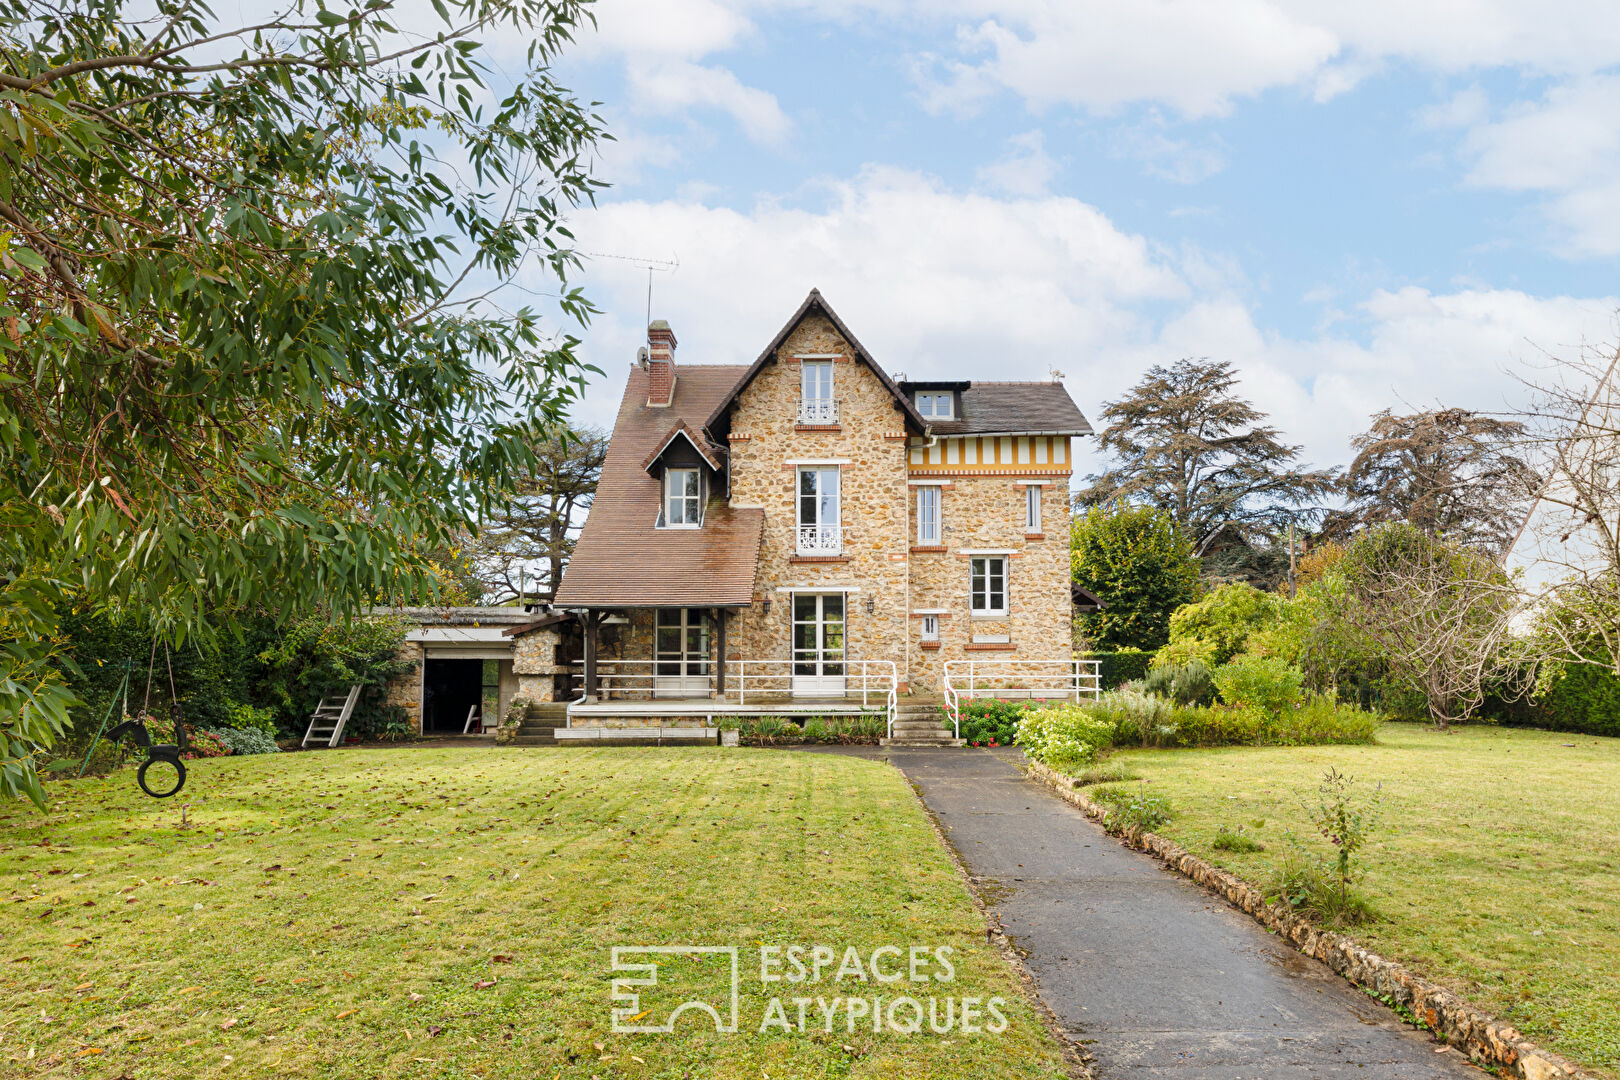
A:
{"points": [[1119, 668]]}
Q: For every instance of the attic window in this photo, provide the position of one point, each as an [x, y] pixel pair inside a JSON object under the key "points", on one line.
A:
{"points": [[935, 405], [682, 503]]}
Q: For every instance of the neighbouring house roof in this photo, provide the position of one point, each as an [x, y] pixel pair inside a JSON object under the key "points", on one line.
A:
{"points": [[556, 618], [1085, 601], [706, 450], [814, 302], [459, 616], [622, 560], [1009, 408]]}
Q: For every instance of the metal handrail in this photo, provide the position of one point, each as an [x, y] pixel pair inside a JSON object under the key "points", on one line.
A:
{"points": [[1049, 678], [883, 672]]}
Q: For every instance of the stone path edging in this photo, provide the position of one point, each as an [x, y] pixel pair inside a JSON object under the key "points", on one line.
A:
{"points": [[1485, 1038]]}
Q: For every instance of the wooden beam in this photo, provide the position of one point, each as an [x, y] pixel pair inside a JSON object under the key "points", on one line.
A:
{"points": [[720, 649], [592, 619]]}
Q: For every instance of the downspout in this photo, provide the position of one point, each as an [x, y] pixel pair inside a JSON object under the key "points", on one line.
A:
{"points": [[905, 538]]}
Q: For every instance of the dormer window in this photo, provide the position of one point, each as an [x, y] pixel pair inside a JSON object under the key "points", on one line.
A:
{"points": [[936, 404], [683, 503]]}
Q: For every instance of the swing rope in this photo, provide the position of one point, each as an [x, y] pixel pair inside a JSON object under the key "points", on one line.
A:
{"points": [[122, 689]]}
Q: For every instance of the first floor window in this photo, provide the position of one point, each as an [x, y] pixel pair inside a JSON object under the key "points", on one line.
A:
{"points": [[930, 627], [1032, 509], [987, 586], [928, 515], [681, 501]]}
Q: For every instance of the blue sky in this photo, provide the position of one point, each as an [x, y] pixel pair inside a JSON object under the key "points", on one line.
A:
{"points": [[1376, 207]]}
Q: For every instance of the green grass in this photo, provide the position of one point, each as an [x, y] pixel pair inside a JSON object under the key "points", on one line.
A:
{"points": [[1495, 871], [449, 913]]}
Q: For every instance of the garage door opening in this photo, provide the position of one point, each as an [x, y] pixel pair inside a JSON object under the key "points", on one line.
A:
{"points": [[453, 688]]}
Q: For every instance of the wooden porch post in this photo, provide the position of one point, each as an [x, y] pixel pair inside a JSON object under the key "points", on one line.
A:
{"points": [[592, 618], [720, 647]]}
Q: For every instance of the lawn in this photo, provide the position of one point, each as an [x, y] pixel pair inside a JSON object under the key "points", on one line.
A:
{"points": [[1496, 870], [450, 913]]}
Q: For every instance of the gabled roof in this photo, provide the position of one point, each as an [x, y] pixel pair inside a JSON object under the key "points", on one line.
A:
{"points": [[815, 301], [1010, 408], [622, 560], [705, 449]]}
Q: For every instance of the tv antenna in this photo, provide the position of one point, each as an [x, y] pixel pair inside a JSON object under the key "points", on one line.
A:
{"points": [[652, 266]]}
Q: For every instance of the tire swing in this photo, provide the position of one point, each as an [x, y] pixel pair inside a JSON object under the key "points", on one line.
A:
{"points": [[163, 754]]}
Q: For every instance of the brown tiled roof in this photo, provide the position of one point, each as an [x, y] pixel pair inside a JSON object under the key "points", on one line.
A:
{"points": [[817, 302], [1015, 408], [621, 559]]}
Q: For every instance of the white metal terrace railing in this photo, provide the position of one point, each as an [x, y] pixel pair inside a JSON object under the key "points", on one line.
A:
{"points": [[818, 411], [820, 540], [869, 678], [1040, 679], [875, 681]]}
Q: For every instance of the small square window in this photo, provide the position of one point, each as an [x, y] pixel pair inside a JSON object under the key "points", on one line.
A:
{"points": [[930, 627], [935, 405]]}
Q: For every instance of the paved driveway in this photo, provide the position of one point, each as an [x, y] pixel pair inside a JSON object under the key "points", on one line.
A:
{"points": [[1158, 978]]}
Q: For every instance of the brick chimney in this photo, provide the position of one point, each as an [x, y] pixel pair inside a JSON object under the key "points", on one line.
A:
{"points": [[660, 364]]}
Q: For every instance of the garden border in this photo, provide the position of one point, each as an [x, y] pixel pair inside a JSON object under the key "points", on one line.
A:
{"points": [[1486, 1039]]}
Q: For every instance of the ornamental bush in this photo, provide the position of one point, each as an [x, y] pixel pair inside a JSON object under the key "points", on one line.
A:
{"points": [[1065, 737], [1182, 684], [992, 721], [1262, 682], [246, 740]]}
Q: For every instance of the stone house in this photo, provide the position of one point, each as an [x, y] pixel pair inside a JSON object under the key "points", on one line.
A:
{"points": [[806, 525]]}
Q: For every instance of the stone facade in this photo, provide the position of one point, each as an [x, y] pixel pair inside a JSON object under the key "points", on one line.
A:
{"points": [[535, 664], [890, 582], [405, 689], [869, 443]]}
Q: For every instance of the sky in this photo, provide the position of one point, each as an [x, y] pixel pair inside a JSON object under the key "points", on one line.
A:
{"points": [[1361, 206]]}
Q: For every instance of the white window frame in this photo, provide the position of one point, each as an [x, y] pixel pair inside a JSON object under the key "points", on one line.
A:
{"points": [[930, 628], [981, 596], [1032, 509], [670, 498], [931, 410], [929, 525], [819, 542], [806, 367]]}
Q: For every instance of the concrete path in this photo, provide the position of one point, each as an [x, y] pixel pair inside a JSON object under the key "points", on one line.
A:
{"points": [[1154, 975]]}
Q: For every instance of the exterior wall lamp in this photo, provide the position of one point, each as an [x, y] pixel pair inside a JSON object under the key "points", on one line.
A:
{"points": [[871, 604], [766, 604]]}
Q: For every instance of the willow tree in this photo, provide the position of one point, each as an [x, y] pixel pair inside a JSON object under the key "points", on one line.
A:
{"points": [[250, 350]]}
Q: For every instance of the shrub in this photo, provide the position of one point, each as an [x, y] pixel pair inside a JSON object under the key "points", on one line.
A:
{"points": [[244, 717], [1582, 698], [246, 740], [1263, 682], [1134, 717], [205, 744], [1132, 809], [1186, 651], [1321, 719], [1121, 667], [991, 721], [1181, 684], [1222, 621], [1064, 737], [316, 657], [784, 731], [1327, 886]]}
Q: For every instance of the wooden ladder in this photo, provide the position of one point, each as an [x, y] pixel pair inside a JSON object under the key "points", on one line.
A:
{"points": [[329, 718]]}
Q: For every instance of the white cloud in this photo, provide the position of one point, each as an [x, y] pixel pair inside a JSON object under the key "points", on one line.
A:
{"points": [[675, 86], [1566, 145], [1176, 160], [1026, 168], [949, 284]]}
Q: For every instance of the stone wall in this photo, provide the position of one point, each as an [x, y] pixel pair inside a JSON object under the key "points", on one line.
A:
{"points": [[870, 438], [534, 663], [405, 689], [987, 514]]}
